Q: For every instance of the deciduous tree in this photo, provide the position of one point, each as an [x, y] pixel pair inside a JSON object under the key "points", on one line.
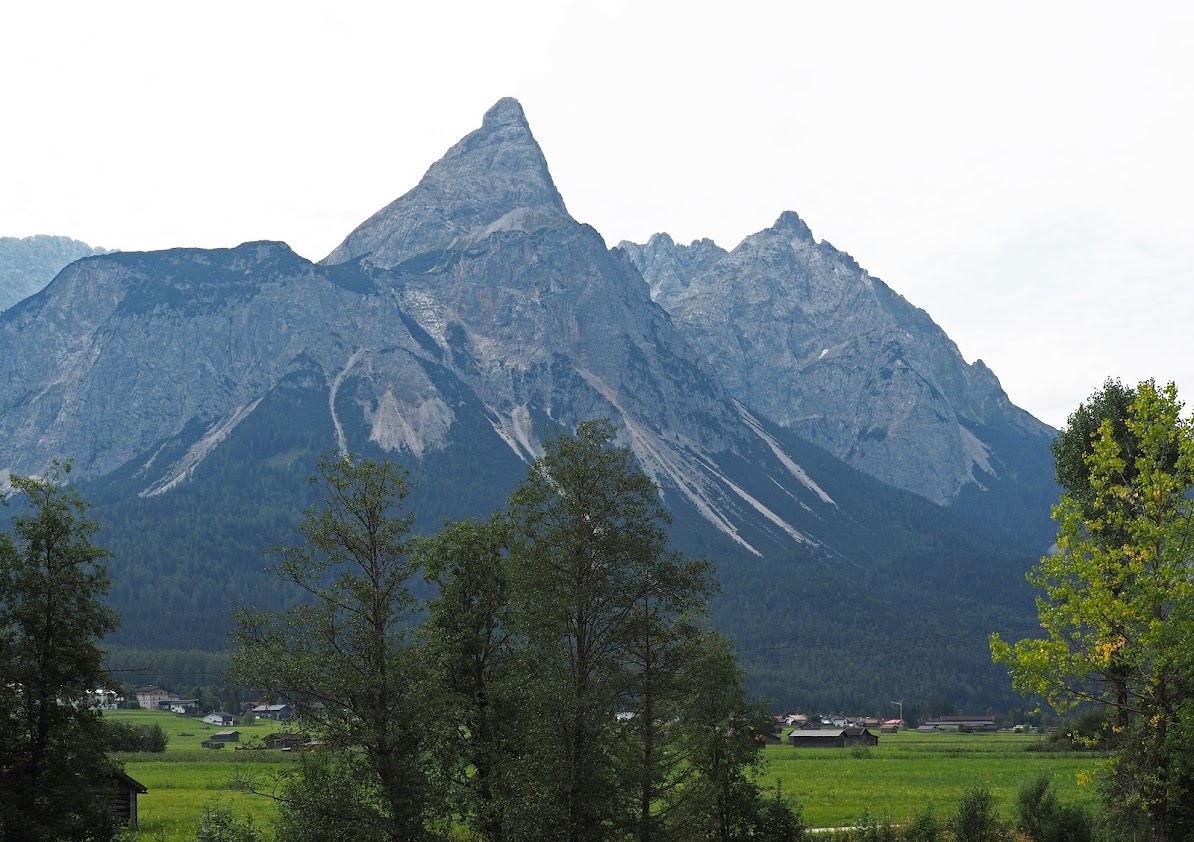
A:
{"points": [[343, 657], [53, 768], [1117, 605]]}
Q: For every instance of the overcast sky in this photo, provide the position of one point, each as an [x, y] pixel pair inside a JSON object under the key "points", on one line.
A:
{"points": [[1022, 171]]}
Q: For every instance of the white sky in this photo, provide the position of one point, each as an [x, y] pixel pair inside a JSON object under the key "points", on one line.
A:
{"points": [[1021, 170]]}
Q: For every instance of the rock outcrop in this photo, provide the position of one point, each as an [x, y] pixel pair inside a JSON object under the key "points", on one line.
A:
{"points": [[27, 264], [800, 333]]}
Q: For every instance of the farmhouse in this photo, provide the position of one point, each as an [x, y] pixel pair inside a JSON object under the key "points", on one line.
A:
{"points": [[833, 738], [219, 718], [151, 697], [277, 712]]}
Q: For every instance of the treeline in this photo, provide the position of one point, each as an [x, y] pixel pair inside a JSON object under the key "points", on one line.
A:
{"points": [[562, 684], [128, 736]]}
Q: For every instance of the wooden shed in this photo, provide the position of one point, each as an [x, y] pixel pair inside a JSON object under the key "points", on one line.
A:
{"points": [[832, 738], [124, 798]]}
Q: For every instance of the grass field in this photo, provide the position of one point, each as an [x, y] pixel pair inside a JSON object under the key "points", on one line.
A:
{"points": [[906, 771], [184, 778], [895, 779]]}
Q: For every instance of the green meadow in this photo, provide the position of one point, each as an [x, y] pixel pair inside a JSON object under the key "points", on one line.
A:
{"points": [[187, 776], [835, 787], [909, 770]]}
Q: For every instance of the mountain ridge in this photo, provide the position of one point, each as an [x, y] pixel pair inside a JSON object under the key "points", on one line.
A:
{"points": [[815, 342], [453, 330], [27, 264]]}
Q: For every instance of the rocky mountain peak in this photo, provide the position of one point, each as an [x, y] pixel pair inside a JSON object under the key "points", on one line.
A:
{"points": [[789, 222], [27, 264], [668, 267], [507, 111], [495, 178]]}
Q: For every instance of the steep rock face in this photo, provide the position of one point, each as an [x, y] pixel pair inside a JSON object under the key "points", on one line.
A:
{"points": [[475, 292], [494, 179], [154, 358], [545, 324], [669, 268], [195, 389], [800, 333], [29, 263]]}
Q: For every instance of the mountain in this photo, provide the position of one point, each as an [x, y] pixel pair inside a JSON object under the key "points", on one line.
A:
{"points": [[801, 334], [27, 264], [454, 329]]}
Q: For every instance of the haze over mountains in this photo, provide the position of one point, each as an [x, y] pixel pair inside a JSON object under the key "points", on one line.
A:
{"points": [[471, 317], [27, 264]]}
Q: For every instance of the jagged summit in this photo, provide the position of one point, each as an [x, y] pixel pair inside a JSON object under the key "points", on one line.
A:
{"points": [[790, 221], [507, 111], [495, 178]]}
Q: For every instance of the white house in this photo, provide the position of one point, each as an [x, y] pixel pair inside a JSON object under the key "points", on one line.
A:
{"points": [[279, 712], [224, 720]]}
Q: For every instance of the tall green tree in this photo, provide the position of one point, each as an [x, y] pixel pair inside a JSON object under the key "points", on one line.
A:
{"points": [[610, 618], [53, 770], [478, 675], [665, 651], [588, 539], [1117, 607], [344, 656]]}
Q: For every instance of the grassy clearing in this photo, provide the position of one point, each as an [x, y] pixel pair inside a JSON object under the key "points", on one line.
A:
{"points": [[895, 779], [906, 771], [186, 776]]}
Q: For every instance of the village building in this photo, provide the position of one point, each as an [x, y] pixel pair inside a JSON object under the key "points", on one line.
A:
{"points": [[221, 738], [286, 742], [152, 697], [832, 738], [221, 718], [958, 723], [100, 699], [280, 712]]}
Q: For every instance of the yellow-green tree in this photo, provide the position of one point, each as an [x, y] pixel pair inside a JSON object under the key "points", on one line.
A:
{"points": [[1116, 609]]}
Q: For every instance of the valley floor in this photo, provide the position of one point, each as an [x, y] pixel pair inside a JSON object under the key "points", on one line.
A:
{"points": [[835, 787]]}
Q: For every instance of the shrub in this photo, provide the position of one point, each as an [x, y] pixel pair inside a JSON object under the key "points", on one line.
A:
{"points": [[1042, 819], [220, 824], [867, 828], [779, 820], [125, 736], [924, 827], [975, 819]]}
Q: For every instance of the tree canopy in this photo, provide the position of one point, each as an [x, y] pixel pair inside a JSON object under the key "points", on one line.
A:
{"points": [[1117, 600], [52, 579], [560, 684]]}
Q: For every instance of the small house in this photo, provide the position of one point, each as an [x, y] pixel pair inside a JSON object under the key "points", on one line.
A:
{"points": [[225, 737], [280, 712], [220, 718]]}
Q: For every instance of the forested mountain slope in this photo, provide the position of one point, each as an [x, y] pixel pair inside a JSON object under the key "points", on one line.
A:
{"points": [[452, 331]]}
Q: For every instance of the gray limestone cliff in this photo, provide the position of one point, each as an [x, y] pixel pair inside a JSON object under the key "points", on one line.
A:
{"points": [[473, 302], [27, 264], [669, 268], [494, 179], [801, 334]]}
